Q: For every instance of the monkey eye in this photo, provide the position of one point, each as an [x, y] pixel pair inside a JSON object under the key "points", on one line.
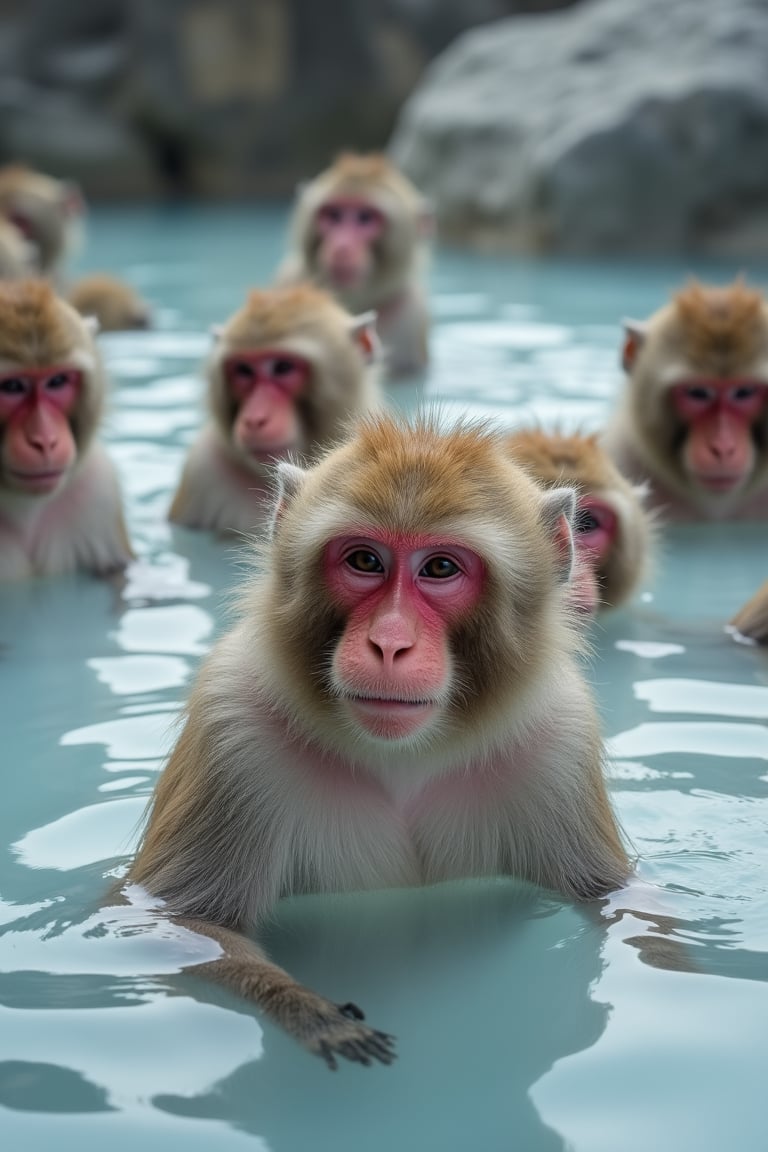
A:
{"points": [[362, 560], [586, 521], [282, 367], [439, 568], [60, 380], [242, 369], [743, 392], [700, 393], [331, 214], [13, 385]]}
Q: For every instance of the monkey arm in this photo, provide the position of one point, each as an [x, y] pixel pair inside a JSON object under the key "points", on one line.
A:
{"points": [[752, 619]]}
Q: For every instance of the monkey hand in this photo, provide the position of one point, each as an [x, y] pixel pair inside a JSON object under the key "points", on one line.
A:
{"points": [[329, 1030]]}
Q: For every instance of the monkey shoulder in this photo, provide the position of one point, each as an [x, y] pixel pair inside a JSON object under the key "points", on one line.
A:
{"points": [[216, 494], [403, 326]]}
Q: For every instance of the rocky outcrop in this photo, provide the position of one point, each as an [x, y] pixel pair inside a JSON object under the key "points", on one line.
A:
{"points": [[614, 126], [212, 97]]}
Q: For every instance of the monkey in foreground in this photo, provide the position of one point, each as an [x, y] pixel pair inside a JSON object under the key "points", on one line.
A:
{"points": [[361, 229], [47, 212], [611, 529], [115, 305], [693, 419], [60, 504], [399, 704], [285, 374], [752, 620]]}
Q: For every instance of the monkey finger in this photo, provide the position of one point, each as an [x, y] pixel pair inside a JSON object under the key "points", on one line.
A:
{"points": [[351, 1011]]}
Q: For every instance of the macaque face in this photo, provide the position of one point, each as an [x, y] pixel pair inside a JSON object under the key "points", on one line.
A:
{"points": [[401, 596], [38, 446], [595, 530], [348, 230], [265, 387], [719, 416]]}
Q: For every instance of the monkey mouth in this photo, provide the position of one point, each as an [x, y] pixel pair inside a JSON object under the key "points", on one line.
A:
{"points": [[720, 483], [391, 717], [37, 482]]}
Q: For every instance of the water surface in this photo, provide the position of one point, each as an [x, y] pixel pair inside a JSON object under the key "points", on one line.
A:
{"points": [[524, 1022]]}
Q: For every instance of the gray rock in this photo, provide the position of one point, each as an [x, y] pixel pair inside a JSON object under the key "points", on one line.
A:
{"points": [[613, 126]]}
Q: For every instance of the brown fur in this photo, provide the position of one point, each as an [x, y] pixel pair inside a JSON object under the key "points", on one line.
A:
{"points": [[272, 789], [706, 331], [555, 458], [115, 305]]}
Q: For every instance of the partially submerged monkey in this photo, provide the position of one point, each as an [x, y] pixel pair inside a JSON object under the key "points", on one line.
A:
{"points": [[693, 418], [400, 703], [361, 229]]}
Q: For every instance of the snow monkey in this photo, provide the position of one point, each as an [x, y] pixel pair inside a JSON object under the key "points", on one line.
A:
{"points": [[694, 416], [47, 212], [286, 373], [112, 302], [360, 229], [16, 254], [611, 528], [752, 620], [60, 505], [400, 703]]}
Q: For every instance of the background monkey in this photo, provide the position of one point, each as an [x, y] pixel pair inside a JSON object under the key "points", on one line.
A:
{"points": [[611, 528], [694, 415], [286, 373], [115, 305], [16, 254], [399, 704], [47, 212], [360, 229], [60, 505]]}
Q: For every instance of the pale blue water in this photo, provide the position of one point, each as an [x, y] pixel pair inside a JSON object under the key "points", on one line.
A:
{"points": [[525, 1024]]}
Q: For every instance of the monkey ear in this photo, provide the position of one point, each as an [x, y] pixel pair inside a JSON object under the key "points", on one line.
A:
{"points": [[557, 511], [290, 480], [364, 334], [92, 324], [635, 332]]}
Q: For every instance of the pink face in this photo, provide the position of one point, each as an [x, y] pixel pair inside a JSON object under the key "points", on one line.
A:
{"points": [[595, 529], [38, 446], [392, 666], [348, 229], [719, 450], [265, 387]]}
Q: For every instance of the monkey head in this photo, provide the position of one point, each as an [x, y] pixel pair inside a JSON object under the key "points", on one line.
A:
{"points": [[414, 587], [52, 388], [113, 303], [286, 372], [360, 226], [611, 528], [698, 392], [46, 211]]}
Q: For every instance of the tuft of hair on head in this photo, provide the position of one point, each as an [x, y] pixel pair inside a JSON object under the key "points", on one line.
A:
{"points": [[718, 323]]}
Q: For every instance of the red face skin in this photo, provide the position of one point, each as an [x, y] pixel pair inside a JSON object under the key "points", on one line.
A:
{"points": [[347, 229], [265, 386], [595, 528], [393, 666], [719, 451], [38, 447]]}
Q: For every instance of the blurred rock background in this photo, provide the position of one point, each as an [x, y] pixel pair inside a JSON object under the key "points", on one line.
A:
{"points": [[603, 125]]}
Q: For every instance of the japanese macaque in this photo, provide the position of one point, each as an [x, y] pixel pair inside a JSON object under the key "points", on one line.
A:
{"points": [[751, 621], [114, 304], [611, 529], [60, 505], [694, 416], [401, 703], [285, 375], [47, 212], [360, 229], [16, 254]]}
